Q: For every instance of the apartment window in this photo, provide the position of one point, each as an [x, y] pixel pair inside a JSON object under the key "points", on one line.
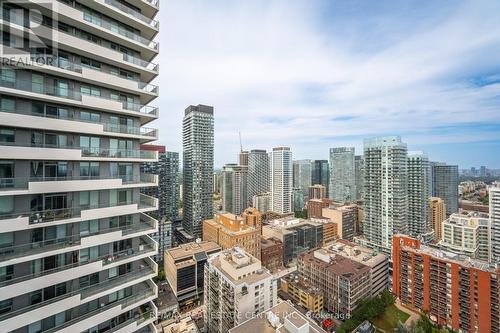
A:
{"points": [[120, 197], [89, 280], [89, 169], [113, 272], [35, 327], [92, 17], [62, 88], [89, 63], [89, 227], [56, 112], [89, 199], [7, 135], [5, 306], [90, 145], [6, 272], [89, 254], [63, 60], [8, 104], [37, 83], [88, 90], [6, 204], [6, 239], [8, 75], [90, 116], [6, 170]]}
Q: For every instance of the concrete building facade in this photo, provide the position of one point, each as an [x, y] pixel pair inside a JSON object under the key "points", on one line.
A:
{"points": [[342, 174], [75, 236], [281, 180], [258, 173], [198, 167]]}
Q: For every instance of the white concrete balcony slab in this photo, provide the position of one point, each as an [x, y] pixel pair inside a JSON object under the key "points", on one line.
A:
{"points": [[102, 28], [36, 185], [140, 321], [109, 311], [20, 317], [16, 254], [22, 120], [148, 203], [76, 154], [75, 44]]}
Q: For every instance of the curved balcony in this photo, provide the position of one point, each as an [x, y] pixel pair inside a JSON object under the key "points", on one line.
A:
{"points": [[132, 12]]}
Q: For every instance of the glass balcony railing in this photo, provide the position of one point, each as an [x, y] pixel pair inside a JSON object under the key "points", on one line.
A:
{"points": [[22, 250], [51, 215], [77, 68], [94, 151], [120, 255], [63, 91], [142, 292], [107, 127], [121, 31], [20, 183], [138, 319], [85, 292], [132, 12]]}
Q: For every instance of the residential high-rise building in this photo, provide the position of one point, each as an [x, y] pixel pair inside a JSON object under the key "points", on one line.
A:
{"points": [[167, 191], [494, 195], [437, 215], [217, 180], [234, 188], [317, 192], [467, 233], [262, 202], [258, 173], [359, 175], [302, 176], [75, 241], [236, 286], [418, 194], [342, 174], [386, 192], [281, 179], [320, 173], [457, 292], [184, 271], [198, 167], [229, 230], [445, 185]]}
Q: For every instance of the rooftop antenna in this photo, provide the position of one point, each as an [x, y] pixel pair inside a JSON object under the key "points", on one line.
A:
{"points": [[241, 146]]}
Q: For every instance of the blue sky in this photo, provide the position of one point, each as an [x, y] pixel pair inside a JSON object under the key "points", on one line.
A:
{"points": [[318, 74]]}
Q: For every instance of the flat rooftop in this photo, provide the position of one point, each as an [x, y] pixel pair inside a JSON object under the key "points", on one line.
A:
{"points": [[355, 252], [188, 250], [337, 264], [261, 324]]}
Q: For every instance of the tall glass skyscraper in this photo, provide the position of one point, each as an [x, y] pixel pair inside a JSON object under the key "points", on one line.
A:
{"points": [[258, 173], [75, 241], [302, 176], [418, 194], [198, 167], [320, 173], [445, 185], [234, 188], [342, 174], [386, 190], [359, 175]]}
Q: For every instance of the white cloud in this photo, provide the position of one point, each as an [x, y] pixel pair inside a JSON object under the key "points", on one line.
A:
{"points": [[281, 71]]}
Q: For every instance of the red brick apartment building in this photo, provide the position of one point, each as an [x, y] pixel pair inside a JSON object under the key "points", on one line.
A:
{"points": [[455, 291]]}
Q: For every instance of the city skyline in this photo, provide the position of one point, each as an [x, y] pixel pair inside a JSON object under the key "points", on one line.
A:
{"points": [[350, 79]]}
